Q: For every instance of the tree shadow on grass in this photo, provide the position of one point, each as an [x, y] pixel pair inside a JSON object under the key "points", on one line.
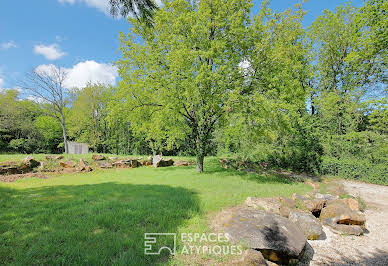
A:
{"points": [[90, 224], [213, 167]]}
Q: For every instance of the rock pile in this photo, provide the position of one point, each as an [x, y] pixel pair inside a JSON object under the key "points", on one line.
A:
{"points": [[158, 161], [274, 236], [14, 168], [126, 163], [279, 227], [11, 171]]}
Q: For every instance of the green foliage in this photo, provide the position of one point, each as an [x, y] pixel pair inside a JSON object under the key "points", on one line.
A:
{"points": [[51, 131], [23, 145], [176, 83], [366, 145], [355, 168], [302, 151], [17, 130], [211, 78], [378, 117], [87, 118]]}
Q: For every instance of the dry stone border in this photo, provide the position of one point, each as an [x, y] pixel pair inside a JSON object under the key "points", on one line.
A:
{"points": [[29, 167]]}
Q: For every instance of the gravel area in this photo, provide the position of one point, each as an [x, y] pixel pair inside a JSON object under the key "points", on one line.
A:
{"points": [[369, 249]]}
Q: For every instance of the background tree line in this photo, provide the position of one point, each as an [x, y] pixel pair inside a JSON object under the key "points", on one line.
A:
{"points": [[210, 78]]}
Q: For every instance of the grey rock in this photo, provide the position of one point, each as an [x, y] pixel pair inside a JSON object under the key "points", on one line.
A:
{"points": [[267, 204], [307, 222], [342, 213], [251, 257], [325, 196], [104, 164], [276, 237], [343, 229]]}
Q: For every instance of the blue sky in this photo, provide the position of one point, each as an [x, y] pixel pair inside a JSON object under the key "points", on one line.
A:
{"points": [[80, 36]]}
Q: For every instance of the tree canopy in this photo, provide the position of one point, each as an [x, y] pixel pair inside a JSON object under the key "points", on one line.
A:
{"points": [[212, 78]]}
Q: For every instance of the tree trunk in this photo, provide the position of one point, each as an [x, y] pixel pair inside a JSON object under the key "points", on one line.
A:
{"points": [[200, 163], [64, 136]]}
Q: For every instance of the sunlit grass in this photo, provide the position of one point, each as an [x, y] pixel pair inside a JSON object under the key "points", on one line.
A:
{"points": [[101, 217]]}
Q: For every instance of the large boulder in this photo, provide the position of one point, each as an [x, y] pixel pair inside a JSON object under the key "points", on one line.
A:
{"points": [[13, 168], [181, 163], [353, 204], [267, 204], [325, 196], [128, 163], [27, 165], [343, 229], [68, 164], [310, 225], [280, 205], [276, 237], [83, 166], [250, 257], [158, 161], [30, 162], [54, 157], [9, 168], [225, 163], [104, 164], [314, 205], [298, 197], [344, 215], [98, 157]]}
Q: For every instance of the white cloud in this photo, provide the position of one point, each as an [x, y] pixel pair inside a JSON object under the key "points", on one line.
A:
{"points": [[51, 52], [88, 71], [8, 45], [1, 82], [36, 99], [102, 5]]}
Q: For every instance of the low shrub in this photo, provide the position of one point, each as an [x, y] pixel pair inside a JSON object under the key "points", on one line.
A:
{"points": [[358, 169]]}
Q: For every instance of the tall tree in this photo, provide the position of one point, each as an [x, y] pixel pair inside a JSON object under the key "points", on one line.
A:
{"points": [[88, 115], [276, 73], [46, 85], [176, 82], [141, 9], [343, 72]]}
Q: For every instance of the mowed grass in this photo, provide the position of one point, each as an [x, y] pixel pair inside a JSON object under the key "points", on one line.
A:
{"points": [[100, 218]]}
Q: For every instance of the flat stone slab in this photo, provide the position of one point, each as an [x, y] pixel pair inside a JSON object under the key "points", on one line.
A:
{"points": [[277, 238]]}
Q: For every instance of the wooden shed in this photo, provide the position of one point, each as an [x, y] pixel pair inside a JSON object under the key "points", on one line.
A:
{"points": [[77, 148]]}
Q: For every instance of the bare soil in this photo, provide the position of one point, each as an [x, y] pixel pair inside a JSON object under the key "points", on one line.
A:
{"points": [[369, 249]]}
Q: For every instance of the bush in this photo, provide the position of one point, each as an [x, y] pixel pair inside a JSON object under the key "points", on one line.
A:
{"points": [[358, 169], [23, 145], [302, 151]]}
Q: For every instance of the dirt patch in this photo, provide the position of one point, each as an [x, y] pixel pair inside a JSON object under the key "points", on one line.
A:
{"points": [[13, 178], [369, 249]]}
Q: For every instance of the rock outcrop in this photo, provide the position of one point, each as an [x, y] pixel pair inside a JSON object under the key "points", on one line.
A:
{"points": [[158, 161], [98, 157], [68, 164], [308, 223], [276, 237], [342, 213]]}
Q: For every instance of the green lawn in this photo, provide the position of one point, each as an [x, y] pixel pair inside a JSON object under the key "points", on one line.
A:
{"points": [[101, 217]]}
